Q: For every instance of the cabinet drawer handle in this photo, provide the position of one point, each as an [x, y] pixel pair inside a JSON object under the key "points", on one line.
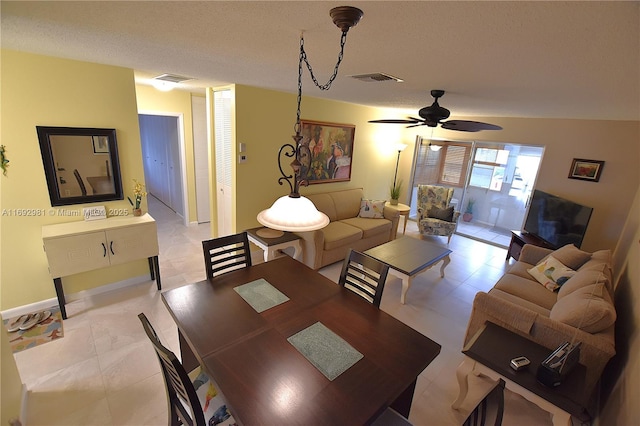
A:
{"points": [[104, 250], [111, 248]]}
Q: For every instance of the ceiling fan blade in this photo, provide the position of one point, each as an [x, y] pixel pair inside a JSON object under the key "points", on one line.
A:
{"points": [[421, 123], [395, 121], [468, 126]]}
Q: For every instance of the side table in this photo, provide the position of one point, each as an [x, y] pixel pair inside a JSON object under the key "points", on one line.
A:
{"points": [[488, 353], [273, 246], [403, 210]]}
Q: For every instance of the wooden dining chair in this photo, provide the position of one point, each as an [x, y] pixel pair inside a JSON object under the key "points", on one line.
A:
{"points": [[364, 275], [490, 409], [83, 188], [193, 398], [227, 253]]}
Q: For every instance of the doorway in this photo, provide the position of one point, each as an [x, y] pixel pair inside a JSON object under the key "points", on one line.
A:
{"points": [[160, 136], [492, 183]]}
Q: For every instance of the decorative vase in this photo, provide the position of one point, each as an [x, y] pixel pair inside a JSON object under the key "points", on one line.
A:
{"points": [[467, 217], [393, 202], [137, 212]]}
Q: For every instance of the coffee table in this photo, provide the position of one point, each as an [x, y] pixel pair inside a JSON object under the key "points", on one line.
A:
{"points": [[408, 257]]}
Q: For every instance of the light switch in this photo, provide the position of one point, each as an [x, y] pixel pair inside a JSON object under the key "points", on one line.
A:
{"points": [[242, 147]]}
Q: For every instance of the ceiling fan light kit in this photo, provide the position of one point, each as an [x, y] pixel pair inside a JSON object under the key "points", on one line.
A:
{"points": [[433, 115]]}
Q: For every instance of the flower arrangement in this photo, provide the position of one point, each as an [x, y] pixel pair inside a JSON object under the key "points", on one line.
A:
{"points": [[138, 193]]}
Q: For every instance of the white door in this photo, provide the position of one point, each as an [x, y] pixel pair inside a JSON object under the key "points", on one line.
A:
{"points": [[201, 154], [224, 159]]}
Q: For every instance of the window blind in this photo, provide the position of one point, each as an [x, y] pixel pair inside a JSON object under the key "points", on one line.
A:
{"points": [[446, 167]]}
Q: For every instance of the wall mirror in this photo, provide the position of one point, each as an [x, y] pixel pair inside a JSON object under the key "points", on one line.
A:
{"points": [[81, 164]]}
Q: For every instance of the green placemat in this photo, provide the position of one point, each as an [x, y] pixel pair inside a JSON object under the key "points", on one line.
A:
{"points": [[261, 295], [327, 351]]}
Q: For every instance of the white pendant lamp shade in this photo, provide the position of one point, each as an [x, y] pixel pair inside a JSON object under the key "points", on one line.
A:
{"points": [[293, 215]]}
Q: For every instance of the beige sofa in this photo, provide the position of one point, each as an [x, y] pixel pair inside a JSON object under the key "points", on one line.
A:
{"points": [[346, 230], [518, 302]]}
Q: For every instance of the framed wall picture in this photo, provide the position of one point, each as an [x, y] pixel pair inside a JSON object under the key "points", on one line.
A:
{"points": [[326, 151], [100, 144], [586, 169]]}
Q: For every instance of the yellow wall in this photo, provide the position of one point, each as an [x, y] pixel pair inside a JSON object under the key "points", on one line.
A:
{"points": [[40, 90], [150, 100], [264, 122]]}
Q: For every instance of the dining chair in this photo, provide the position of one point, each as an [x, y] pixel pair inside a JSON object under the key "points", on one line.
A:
{"points": [[364, 275], [227, 253], [83, 188], [193, 398], [490, 409]]}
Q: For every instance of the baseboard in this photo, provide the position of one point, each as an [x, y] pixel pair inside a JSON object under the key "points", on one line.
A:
{"points": [[44, 304]]}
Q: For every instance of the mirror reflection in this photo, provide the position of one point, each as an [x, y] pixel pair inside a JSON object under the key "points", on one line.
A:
{"points": [[81, 165]]}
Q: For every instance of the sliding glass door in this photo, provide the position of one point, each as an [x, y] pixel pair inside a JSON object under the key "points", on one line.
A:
{"points": [[492, 183]]}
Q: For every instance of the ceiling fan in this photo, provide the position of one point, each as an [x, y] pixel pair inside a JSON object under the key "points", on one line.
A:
{"points": [[434, 114]]}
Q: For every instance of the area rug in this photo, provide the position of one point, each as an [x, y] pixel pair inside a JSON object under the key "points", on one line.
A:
{"points": [[48, 330]]}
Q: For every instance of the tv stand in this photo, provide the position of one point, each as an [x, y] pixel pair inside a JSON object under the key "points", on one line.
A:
{"points": [[519, 239]]}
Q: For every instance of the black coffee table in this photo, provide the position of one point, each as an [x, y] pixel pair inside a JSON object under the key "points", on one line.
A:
{"points": [[408, 257]]}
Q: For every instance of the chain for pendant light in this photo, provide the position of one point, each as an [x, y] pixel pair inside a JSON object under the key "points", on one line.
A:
{"points": [[303, 54], [327, 85]]}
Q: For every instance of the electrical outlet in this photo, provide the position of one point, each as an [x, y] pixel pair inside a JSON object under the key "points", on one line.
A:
{"points": [[242, 158]]}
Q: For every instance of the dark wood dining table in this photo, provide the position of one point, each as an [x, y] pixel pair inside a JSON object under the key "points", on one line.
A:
{"points": [[265, 379]]}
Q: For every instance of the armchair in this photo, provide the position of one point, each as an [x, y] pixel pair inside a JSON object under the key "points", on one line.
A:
{"points": [[435, 215]]}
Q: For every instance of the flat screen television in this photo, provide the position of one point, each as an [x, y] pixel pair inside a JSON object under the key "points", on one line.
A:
{"points": [[556, 220]]}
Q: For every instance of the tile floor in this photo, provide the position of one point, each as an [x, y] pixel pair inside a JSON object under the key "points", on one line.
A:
{"points": [[104, 371]]}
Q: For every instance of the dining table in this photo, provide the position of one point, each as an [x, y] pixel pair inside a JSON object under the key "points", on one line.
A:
{"points": [[286, 345]]}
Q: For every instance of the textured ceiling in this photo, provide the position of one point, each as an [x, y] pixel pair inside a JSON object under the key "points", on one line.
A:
{"points": [[502, 59]]}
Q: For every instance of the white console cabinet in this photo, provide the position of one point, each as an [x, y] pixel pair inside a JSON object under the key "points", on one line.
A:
{"points": [[82, 246]]}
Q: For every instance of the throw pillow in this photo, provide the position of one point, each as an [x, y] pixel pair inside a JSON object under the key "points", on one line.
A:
{"points": [[588, 308], [551, 273], [583, 278], [372, 209], [442, 214], [571, 256]]}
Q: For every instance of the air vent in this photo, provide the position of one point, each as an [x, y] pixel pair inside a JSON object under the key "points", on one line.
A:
{"points": [[173, 78], [377, 77]]}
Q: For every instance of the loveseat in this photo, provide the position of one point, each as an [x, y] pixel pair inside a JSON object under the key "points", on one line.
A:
{"points": [[350, 226], [581, 309]]}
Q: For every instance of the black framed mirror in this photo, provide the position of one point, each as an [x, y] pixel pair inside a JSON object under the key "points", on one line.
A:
{"points": [[81, 164]]}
